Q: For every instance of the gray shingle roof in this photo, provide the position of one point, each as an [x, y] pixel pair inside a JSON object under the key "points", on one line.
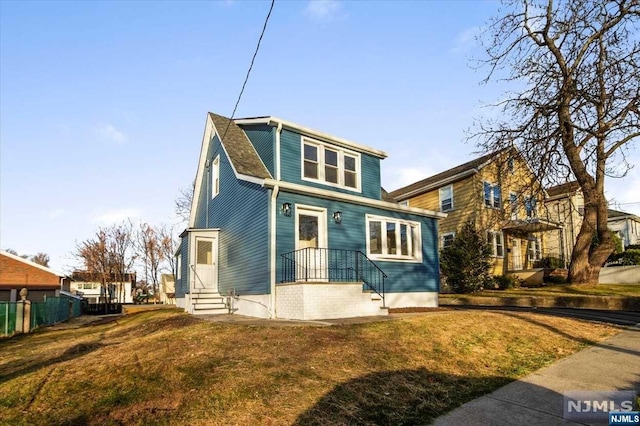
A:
{"points": [[565, 188], [241, 152], [398, 194]]}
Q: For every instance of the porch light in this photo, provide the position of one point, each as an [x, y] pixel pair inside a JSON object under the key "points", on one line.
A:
{"points": [[286, 209], [337, 217]]}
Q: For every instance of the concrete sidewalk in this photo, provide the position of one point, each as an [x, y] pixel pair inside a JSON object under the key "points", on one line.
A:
{"points": [[537, 399]]}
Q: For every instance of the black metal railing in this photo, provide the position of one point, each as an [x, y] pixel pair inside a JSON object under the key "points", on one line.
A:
{"points": [[333, 265], [551, 261]]}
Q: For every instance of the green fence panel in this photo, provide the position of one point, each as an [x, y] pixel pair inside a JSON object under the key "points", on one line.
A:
{"points": [[7, 318]]}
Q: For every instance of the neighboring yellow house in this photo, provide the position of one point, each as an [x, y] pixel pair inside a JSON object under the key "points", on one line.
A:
{"points": [[500, 194], [565, 205]]}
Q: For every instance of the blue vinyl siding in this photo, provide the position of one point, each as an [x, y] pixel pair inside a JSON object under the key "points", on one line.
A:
{"points": [[240, 210], [263, 139], [291, 163], [351, 234], [182, 285]]}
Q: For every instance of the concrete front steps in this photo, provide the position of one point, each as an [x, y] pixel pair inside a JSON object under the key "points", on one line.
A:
{"points": [[208, 302]]}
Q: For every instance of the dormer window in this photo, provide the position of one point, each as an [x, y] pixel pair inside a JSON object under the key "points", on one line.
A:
{"points": [[330, 165]]}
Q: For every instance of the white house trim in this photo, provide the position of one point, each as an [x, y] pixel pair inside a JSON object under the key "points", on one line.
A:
{"points": [[354, 199], [314, 133]]}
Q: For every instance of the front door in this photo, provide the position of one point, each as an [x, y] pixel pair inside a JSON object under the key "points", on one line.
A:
{"points": [[516, 254], [311, 244], [206, 259]]}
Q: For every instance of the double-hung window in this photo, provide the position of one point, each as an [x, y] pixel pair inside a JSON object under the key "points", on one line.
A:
{"points": [[330, 165], [492, 195], [513, 205], [178, 267], [535, 250], [393, 239], [215, 177], [446, 198], [530, 207], [447, 239], [496, 243]]}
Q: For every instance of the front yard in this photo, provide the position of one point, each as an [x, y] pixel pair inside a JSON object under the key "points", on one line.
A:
{"points": [[165, 367], [622, 290]]}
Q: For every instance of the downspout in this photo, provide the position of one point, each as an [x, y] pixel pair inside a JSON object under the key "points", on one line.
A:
{"points": [[272, 249], [278, 132]]}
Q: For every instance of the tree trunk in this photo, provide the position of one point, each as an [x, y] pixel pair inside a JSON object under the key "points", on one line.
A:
{"points": [[587, 257]]}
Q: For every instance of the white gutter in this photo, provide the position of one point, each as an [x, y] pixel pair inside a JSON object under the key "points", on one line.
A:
{"points": [[314, 133], [272, 250], [339, 196], [278, 132]]}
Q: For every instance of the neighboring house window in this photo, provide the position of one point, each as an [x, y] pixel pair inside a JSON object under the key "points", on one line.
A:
{"points": [[447, 239], [530, 207], [404, 203], [535, 251], [496, 244], [330, 165], [393, 239], [215, 177], [492, 195], [178, 266], [446, 198], [513, 205]]}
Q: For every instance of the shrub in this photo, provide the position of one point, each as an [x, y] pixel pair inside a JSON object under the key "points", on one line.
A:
{"points": [[465, 262], [630, 257], [556, 279], [506, 282], [550, 262], [632, 247]]}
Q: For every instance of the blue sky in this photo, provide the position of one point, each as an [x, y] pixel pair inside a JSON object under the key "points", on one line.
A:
{"points": [[103, 104]]}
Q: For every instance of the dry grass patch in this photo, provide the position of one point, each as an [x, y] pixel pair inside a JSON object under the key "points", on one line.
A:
{"points": [[165, 367]]}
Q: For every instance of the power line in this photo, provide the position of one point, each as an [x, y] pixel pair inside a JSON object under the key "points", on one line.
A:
{"points": [[264, 27]]}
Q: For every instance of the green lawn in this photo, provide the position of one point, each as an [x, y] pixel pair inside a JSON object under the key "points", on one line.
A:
{"points": [[168, 368], [568, 290]]}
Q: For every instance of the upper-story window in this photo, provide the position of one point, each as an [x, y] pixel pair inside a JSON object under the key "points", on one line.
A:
{"points": [[510, 165], [530, 207], [513, 205], [446, 198], [492, 196], [330, 165], [215, 177]]}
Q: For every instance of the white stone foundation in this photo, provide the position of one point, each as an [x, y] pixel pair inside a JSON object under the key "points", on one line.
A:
{"points": [[323, 300], [426, 299]]}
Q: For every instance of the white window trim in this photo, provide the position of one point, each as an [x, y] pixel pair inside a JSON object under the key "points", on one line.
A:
{"points": [[450, 187], [215, 177], [534, 254], [491, 195], [341, 153], [446, 234], [494, 246], [414, 249], [512, 204]]}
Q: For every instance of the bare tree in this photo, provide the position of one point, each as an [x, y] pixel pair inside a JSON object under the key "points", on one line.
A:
{"points": [[123, 255], [183, 202], [15, 253], [168, 245], [151, 253], [96, 261], [41, 259], [574, 111]]}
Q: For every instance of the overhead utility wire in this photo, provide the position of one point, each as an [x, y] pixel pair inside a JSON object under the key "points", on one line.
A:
{"points": [[249, 70]]}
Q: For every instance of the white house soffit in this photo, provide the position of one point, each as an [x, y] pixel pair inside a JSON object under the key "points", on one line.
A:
{"points": [[206, 137], [314, 133], [353, 199]]}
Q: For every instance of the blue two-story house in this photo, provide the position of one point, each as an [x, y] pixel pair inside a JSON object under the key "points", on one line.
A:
{"points": [[290, 222]]}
